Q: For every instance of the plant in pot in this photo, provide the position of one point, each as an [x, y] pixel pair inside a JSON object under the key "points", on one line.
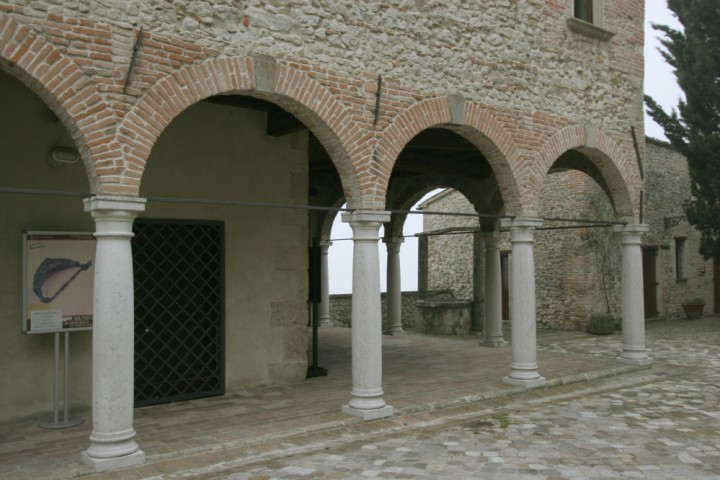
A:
{"points": [[693, 307], [601, 324]]}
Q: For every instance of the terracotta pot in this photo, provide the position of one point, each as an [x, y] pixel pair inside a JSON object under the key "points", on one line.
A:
{"points": [[693, 310]]}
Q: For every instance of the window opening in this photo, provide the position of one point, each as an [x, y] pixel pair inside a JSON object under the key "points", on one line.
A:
{"points": [[584, 10], [680, 258]]}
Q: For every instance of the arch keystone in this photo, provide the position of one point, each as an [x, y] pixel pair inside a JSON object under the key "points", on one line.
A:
{"points": [[265, 71], [457, 109], [590, 135]]}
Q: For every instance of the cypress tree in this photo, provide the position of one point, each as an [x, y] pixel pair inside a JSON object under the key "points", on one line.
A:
{"points": [[694, 127]]}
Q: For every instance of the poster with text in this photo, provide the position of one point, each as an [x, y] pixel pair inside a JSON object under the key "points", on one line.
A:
{"points": [[58, 281]]}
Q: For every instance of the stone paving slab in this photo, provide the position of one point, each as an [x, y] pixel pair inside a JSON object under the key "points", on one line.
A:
{"points": [[425, 378]]}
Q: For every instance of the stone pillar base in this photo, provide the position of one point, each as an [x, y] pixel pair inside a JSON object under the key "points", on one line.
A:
{"points": [[533, 383], [636, 361], [326, 322], [113, 463], [372, 414], [395, 332], [494, 343]]}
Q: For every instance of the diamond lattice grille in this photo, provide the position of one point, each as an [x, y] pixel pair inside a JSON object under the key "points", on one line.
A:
{"points": [[178, 273]]}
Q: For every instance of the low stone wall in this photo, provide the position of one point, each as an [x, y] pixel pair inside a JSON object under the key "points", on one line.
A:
{"points": [[443, 317], [341, 308]]}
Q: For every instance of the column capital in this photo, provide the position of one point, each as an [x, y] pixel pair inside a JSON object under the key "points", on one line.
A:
{"points": [[491, 239], [520, 223], [366, 216], [631, 233], [393, 243], [102, 202], [325, 244], [522, 230]]}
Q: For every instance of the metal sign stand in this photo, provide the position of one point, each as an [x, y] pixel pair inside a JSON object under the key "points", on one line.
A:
{"points": [[56, 423]]}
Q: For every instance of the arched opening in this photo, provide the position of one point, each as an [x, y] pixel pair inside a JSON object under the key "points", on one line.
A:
{"points": [[578, 263], [39, 159], [249, 174]]}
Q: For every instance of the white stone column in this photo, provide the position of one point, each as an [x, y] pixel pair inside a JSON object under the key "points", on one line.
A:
{"points": [[633, 305], [394, 286], [478, 291], [367, 399], [324, 307], [113, 437], [492, 331], [524, 370]]}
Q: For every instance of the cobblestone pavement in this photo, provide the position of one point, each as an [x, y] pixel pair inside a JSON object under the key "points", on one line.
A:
{"points": [[655, 424]]}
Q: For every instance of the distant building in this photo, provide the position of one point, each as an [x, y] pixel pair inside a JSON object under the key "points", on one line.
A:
{"points": [[578, 264]]}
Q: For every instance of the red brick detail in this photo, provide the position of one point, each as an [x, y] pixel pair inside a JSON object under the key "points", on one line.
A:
{"points": [[295, 91], [321, 111], [481, 129], [62, 85], [614, 162]]}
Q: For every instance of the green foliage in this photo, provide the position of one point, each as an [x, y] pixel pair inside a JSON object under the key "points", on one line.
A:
{"points": [[601, 324], [694, 128], [694, 301]]}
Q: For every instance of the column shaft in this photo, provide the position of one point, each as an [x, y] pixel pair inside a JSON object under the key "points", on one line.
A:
{"points": [[324, 307], [478, 291], [394, 286], [524, 369], [492, 331], [633, 307], [112, 439], [367, 399]]}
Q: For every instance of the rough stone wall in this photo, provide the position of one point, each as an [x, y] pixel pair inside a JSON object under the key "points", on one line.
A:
{"points": [[668, 187], [516, 63], [569, 282], [341, 308], [568, 261], [450, 267], [517, 55]]}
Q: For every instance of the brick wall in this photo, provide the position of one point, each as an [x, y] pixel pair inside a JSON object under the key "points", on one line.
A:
{"points": [[524, 75]]}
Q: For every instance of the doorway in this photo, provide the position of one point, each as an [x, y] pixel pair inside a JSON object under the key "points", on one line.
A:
{"points": [[650, 283], [179, 310]]}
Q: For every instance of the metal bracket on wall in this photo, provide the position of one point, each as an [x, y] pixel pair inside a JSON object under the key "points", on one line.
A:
{"points": [[136, 48]]}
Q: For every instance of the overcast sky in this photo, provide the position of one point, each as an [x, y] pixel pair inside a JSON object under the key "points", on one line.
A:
{"points": [[659, 84]]}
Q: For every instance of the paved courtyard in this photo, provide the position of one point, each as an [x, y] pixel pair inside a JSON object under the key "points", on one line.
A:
{"points": [[656, 423]]}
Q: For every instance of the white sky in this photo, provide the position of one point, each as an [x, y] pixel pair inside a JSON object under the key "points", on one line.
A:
{"points": [[659, 84]]}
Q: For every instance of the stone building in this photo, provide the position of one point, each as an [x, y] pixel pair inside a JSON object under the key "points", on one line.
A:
{"points": [[208, 144], [578, 269]]}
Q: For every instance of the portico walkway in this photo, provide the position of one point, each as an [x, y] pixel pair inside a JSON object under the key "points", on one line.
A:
{"points": [[420, 374]]}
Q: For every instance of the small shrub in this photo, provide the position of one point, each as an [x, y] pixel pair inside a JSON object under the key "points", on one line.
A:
{"points": [[601, 324], [694, 301]]}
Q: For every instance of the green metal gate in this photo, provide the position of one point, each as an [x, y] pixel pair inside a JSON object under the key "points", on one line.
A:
{"points": [[179, 310]]}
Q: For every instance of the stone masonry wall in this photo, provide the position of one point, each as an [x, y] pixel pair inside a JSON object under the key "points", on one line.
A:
{"points": [[524, 75], [568, 262], [341, 308], [668, 186], [516, 55]]}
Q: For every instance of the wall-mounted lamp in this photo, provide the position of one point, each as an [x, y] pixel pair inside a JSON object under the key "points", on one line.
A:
{"points": [[64, 155]]}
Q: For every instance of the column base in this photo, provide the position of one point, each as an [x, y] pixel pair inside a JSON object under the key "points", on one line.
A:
{"points": [[395, 332], [635, 360], [373, 414], [527, 383], [494, 343], [326, 323], [113, 463]]}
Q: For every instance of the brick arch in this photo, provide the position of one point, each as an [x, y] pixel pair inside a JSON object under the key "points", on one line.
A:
{"points": [[475, 124], [616, 168], [290, 88], [418, 187], [64, 88]]}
